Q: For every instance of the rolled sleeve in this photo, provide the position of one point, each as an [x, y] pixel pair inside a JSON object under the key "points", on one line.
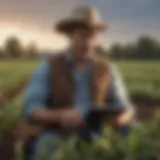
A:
{"points": [[37, 91], [118, 96]]}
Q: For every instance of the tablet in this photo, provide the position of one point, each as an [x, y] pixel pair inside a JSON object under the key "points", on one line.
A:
{"points": [[95, 115], [96, 112]]}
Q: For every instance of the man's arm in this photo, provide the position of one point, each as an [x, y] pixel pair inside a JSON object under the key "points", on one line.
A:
{"points": [[36, 97], [118, 97], [35, 107]]}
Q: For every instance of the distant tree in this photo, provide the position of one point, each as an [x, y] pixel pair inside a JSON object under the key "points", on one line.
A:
{"points": [[158, 52], [147, 47], [13, 47], [32, 50], [116, 51], [129, 51], [1, 53]]}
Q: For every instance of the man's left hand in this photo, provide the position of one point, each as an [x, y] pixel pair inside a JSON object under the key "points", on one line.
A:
{"points": [[118, 120]]}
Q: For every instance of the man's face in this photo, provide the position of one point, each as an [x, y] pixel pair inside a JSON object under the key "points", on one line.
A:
{"points": [[84, 42]]}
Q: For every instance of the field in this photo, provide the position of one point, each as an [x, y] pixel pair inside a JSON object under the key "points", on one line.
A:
{"points": [[14, 71], [142, 78]]}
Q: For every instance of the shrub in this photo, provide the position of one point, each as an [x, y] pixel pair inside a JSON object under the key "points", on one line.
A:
{"points": [[142, 143]]}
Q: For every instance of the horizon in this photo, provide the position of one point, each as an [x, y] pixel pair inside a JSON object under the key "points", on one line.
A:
{"points": [[33, 21]]}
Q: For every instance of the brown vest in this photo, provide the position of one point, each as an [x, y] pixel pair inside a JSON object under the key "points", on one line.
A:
{"points": [[64, 90]]}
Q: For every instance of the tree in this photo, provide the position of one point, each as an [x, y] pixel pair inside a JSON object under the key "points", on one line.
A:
{"points": [[129, 51], [147, 48], [1, 53], [116, 51], [13, 47]]}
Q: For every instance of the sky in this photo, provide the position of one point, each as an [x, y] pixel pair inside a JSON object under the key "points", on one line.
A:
{"points": [[34, 20]]}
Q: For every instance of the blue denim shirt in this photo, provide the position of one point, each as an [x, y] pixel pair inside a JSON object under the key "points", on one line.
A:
{"points": [[38, 94]]}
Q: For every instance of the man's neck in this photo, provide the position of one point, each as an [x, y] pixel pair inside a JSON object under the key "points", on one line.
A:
{"points": [[80, 63]]}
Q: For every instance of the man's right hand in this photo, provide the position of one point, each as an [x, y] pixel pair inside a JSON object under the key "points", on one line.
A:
{"points": [[67, 118], [71, 119]]}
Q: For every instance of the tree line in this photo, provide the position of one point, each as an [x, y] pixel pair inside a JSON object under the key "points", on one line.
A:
{"points": [[145, 47], [13, 48]]}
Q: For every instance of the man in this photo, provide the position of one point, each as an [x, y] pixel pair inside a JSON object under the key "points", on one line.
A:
{"points": [[64, 88]]}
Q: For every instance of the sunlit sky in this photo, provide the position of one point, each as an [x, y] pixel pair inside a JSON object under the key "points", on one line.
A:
{"points": [[33, 20]]}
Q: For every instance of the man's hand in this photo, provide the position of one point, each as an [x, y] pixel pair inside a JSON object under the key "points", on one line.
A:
{"points": [[71, 119], [67, 118], [125, 118], [119, 120]]}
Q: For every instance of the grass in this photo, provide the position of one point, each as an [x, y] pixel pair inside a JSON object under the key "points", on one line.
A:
{"points": [[13, 71], [142, 78]]}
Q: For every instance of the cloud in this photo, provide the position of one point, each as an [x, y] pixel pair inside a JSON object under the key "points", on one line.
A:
{"points": [[128, 19], [34, 20], [43, 38]]}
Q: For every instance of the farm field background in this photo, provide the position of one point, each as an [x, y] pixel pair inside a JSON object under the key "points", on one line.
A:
{"points": [[142, 78]]}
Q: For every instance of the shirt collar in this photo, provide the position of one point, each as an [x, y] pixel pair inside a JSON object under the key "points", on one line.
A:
{"points": [[71, 61]]}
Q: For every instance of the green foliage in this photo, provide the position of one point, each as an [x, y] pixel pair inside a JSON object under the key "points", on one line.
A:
{"points": [[13, 47], [14, 71], [9, 115], [143, 143], [145, 48], [142, 77]]}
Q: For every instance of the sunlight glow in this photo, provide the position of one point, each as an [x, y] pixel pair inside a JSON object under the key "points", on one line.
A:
{"points": [[42, 39]]}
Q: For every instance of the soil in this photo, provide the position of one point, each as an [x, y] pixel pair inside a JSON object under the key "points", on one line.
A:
{"points": [[7, 142]]}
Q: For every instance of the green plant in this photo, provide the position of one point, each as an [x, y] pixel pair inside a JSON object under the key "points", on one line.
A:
{"points": [[10, 115], [142, 143]]}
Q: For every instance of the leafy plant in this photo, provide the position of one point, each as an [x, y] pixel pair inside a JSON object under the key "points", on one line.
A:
{"points": [[142, 143], [10, 115]]}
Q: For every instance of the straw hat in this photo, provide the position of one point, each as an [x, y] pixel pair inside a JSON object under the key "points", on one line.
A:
{"points": [[81, 17]]}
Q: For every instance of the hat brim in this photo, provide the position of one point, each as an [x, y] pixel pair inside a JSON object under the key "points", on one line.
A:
{"points": [[68, 26]]}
